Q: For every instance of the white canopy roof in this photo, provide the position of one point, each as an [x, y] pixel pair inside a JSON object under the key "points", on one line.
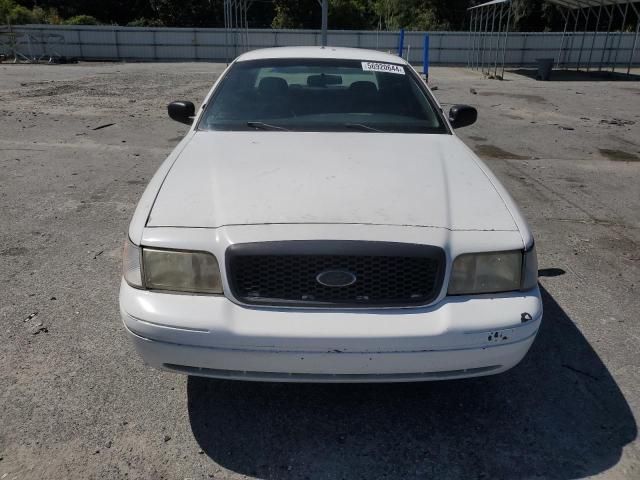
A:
{"points": [[574, 4], [493, 2]]}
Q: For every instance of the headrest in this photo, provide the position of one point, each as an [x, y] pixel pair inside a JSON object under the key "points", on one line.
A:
{"points": [[363, 87], [273, 86]]}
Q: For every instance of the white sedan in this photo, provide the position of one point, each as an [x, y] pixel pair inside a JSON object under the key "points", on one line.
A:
{"points": [[321, 222]]}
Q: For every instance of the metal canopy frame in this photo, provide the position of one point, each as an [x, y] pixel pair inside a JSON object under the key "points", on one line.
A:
{"points": [[31, 47], [576, 11], [236, 27], [488, 45], [578, 16]]}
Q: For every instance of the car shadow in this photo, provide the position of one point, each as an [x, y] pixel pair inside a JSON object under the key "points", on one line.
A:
{"points": [[571, 75], [557, 415]]}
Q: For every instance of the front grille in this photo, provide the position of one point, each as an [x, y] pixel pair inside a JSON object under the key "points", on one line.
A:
{"points": [[287, 273]]}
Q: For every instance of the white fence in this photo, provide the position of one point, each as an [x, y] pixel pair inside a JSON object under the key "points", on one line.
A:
{"points": [[211, 44]]}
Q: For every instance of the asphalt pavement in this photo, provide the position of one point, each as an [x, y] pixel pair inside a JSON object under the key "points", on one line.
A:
{"points": [[78, 143]]}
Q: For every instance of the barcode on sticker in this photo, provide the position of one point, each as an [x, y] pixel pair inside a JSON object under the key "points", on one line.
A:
{"points": [[382, 67]]}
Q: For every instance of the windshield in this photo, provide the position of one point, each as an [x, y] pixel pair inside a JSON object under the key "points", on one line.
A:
{"points": [[321, 95]]}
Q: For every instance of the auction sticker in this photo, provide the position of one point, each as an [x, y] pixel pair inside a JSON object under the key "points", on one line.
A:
{"points": [[382, 67]]}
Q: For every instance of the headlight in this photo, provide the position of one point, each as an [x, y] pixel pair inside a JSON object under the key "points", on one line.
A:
{"points": [[131, 264], [486, 273], [195, 272]]}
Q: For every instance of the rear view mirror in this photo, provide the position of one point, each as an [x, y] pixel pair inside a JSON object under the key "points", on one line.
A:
{"points": [[182, 112], [462, 116]]}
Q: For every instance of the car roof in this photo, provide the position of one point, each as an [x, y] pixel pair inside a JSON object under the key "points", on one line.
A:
{"points": [[339, 53]]}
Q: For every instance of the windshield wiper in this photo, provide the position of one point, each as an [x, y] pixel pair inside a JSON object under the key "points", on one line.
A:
{"points": [[362, 126], [265, 126]]}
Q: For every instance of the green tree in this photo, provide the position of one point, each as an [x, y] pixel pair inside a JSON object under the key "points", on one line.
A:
{"points": [[46, 16], [296, 14], [189, 13], [6, 6], [145, 22], [343, 14], [351, 15], [15, 14], [82, 20], [421, 14], [530, 15], [106, 11]]}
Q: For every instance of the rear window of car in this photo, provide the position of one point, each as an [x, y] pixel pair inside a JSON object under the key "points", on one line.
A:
{"points": [[322, 95]]}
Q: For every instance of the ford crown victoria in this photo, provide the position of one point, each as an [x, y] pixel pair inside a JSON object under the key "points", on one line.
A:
{"points": [[321, 222]]}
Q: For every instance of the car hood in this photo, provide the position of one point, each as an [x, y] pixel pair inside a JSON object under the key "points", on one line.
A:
{"points": [[249, 178]]}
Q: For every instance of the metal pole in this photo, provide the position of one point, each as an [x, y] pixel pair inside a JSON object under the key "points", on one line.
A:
{"points": [[564, 33], [247, 4], [606, 38], [484, 41], [635, 42], [243, 39], [231, 41], [245, 27], [493, 23], [624, 20], [237, 27], [246, 23], [476, 40], [495, 65], [325, 21], [469, 40], [240, 25], [595, 35], [480, 39], [232, 31], [425, 57], [506, 37], [575, 30], [230, 27], [584, 33], [492, 50], [226, 30], [229, 23]]}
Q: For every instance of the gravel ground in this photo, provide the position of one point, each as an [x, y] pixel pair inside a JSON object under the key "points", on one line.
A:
{"points": [[76, 402]]}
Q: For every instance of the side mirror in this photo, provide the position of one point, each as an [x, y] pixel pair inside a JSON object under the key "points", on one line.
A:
{"points": [[182, 112], [462, 116]]}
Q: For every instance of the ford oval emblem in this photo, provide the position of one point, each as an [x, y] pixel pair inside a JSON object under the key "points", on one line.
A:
{"points": [[336, 278]]}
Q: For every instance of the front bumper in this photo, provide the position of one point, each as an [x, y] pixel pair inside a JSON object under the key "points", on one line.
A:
{"points": [[212, 336]]}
